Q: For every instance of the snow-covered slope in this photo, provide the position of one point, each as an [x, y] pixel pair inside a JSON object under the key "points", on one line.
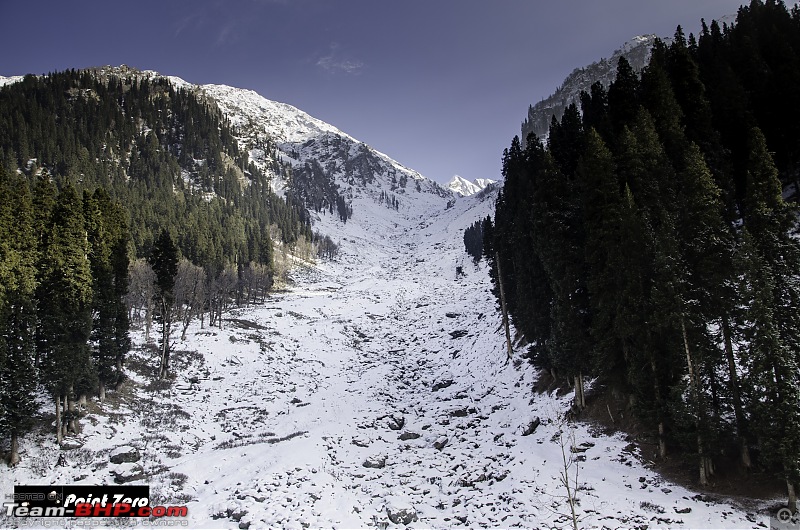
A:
{"points": [[464, 188], [286, 124], [373, 393]]}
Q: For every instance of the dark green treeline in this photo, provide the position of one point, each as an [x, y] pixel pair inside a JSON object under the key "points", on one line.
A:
{"points": [[648, 243], [168, 155]]}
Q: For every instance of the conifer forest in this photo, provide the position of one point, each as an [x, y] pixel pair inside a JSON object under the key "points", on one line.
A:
{"points": [[651, 242]]}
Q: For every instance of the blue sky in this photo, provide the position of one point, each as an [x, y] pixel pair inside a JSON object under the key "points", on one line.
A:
{"points": [[440, 85]]}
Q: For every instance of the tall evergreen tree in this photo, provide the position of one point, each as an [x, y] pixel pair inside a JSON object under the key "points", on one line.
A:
{"points": [[18, 375], [559, 236], [164, 260], [773, 262], [65, 283], [605, 256], [107, 234], [623, 96]]}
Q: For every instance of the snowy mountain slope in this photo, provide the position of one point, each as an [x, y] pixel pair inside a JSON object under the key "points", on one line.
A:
{"points": [[285, 123], [353, 166], [464, 188], [375, 391]]}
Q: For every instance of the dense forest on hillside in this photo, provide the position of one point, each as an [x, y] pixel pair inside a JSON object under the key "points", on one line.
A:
{"points": [[120, 198], [649, 243], [169, 156]]}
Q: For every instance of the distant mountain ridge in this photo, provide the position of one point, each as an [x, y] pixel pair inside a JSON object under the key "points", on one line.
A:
{"points": [[463, 187]]}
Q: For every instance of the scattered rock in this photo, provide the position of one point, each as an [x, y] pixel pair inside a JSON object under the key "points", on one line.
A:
{"points": [[236, 515], [442, 384], [71, 443], [401, 514], [375, 461], [683, 510], [452, 315], [463, 412], [361, 441], [125, 454], [396, 422], [441, 442], [531, 428], [458, 333], [409, 436], [127, 472]]}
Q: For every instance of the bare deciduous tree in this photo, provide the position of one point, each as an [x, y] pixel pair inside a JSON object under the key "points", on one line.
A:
{"points": [[141, 293], [190, 286]]}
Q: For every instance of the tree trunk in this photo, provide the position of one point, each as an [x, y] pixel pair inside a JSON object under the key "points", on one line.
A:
{"points": [[662, 437], [580, 399], [148, 322], [706, 468], [792, 495], [13, 459], [510, 350], [73, 411], [166, 324], [744, 449], [59, 436], [102, 391]]}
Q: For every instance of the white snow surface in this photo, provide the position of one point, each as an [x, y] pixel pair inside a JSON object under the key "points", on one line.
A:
{"points": [[464, 188], [10, 80], [383, 357]]}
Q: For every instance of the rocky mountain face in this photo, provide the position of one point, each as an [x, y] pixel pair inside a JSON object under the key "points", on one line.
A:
{"points": [[636, 51]]}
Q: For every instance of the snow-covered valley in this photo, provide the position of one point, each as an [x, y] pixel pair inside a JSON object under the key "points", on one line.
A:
{"points": [[374, 392]]}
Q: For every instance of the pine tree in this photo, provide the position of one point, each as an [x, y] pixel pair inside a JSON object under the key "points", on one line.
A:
{"points": [[650, 177], [559, 238], [773, 261], [604, 254], [107, 234], [65, 294], [164, 260], [623, 96], [473, 240], [18, 376]]}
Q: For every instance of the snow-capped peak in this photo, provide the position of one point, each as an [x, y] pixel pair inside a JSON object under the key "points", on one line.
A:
{"points": [[465, 188]]}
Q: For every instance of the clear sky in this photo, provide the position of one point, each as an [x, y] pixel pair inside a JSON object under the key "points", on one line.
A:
{"points": [[440, 85]]}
